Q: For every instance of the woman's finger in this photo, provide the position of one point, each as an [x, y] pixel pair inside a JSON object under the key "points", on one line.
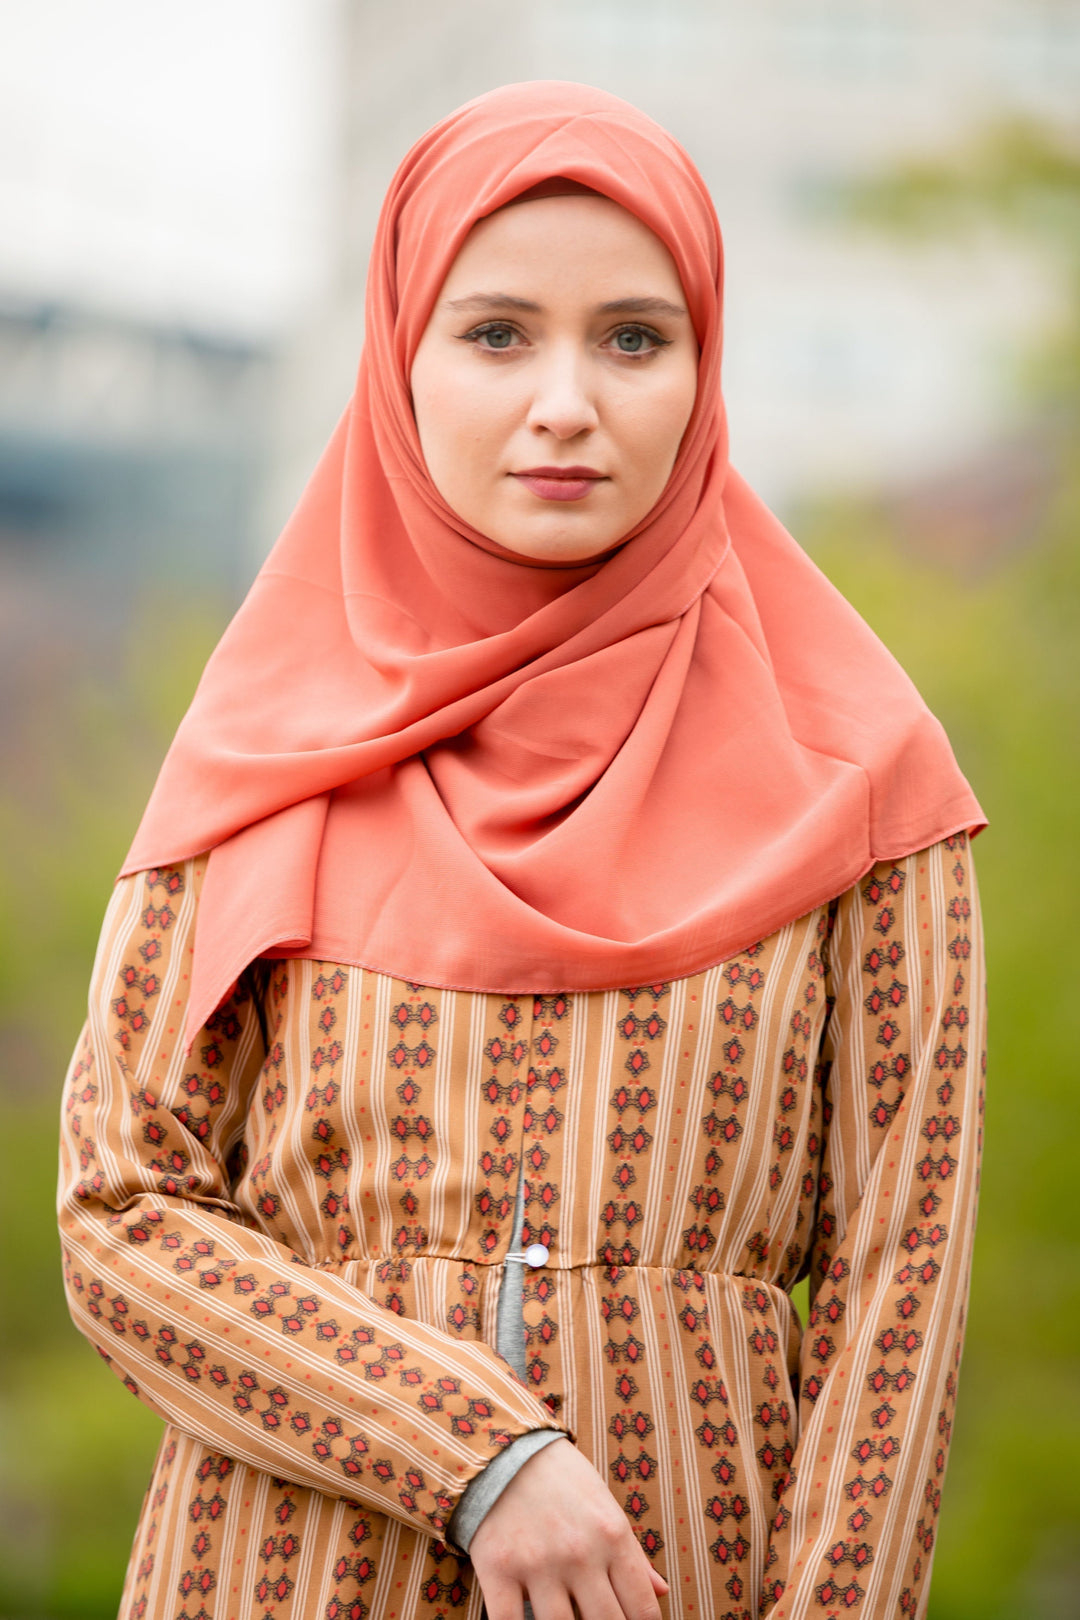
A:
{"points": [[596, 1599], [503, 1600], [633, 1586], [551, 1601]]}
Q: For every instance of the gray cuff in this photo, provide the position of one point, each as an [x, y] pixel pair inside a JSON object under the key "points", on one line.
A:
{"points": [[483, 1491]]}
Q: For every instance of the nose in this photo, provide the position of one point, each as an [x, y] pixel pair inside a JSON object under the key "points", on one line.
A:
{"points": [[562, 402]]}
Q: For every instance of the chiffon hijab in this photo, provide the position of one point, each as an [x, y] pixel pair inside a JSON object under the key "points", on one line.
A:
{"points": [[415, 751]]}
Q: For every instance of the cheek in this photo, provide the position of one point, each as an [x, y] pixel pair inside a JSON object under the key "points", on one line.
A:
{"points": [[654, 423], [436, 420], [458, 421]]}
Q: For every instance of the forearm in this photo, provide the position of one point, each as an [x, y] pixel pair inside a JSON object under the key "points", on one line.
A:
{"points": [[223, 1330], [292, 1370]]}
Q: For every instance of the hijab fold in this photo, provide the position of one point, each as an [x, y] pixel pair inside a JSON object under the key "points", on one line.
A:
{"points": [[415, 751]]}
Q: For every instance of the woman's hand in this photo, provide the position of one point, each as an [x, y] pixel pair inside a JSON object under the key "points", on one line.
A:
{"points": [[557, 1536]]}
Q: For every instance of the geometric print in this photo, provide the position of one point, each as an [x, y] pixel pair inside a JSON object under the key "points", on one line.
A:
{"points": [[289, 1242]]}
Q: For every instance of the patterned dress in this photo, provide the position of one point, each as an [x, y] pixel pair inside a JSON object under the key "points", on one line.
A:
{"points": [[289, 1243]]}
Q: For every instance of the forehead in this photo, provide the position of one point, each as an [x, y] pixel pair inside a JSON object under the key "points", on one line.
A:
{"points": [[561, 242]]}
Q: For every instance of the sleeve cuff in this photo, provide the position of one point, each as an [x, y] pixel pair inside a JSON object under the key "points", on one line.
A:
{"points": [[484, 1490]]}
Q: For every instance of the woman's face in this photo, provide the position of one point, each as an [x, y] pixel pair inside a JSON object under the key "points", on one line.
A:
{"points": [[555, 378]]}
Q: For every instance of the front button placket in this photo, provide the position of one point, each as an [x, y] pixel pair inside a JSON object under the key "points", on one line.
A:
{"points": [[541, 1139], [504, 1090]]}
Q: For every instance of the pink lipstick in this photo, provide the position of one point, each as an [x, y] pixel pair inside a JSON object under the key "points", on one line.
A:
{"points": [[560, 483]]}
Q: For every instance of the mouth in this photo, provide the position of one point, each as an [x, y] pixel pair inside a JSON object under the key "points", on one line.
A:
{"points": [[560, 483]]}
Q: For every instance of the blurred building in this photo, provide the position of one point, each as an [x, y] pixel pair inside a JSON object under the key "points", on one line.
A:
{"points": [[127, 449], [131, 456]]}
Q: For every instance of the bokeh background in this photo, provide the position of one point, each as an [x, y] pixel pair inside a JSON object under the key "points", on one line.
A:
{"points": [[187, 196]]}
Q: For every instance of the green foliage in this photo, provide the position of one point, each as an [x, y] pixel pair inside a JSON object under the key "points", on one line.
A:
{"points": [[1016, 175], [78, 773], [75, 1449], [75, 1455], [1017, 181]]}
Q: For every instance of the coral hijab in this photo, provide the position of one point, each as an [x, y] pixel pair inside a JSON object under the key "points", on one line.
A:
{"points": [[414, 751]]}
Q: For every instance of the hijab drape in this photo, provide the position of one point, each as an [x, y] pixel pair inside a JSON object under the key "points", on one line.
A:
{"points": [[416, 752]]}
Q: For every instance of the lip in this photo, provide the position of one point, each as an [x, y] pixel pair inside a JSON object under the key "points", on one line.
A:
{"points": [[560, 483]]}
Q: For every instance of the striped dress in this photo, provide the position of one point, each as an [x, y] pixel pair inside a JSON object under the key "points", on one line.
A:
{"points": [[289, 1243]]}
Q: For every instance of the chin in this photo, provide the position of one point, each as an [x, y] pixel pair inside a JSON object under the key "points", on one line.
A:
{"points": [[576, 550], [555, 545]]}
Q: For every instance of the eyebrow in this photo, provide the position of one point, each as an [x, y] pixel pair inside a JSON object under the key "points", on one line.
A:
{"points": [[642, 306], [480, 303]]}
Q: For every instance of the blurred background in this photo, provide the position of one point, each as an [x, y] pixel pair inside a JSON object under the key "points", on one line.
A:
{"points": [[187, 197]]}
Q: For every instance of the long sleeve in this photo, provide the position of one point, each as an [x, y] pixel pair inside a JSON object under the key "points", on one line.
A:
{"points": [[224, 1332], [901, 1069]]}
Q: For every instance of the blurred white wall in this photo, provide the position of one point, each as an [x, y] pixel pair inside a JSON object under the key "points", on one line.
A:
{"points": [[168, 162]]}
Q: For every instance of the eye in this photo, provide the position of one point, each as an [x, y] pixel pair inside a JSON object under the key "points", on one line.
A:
{"points": [[496, 335], [637, 340]]}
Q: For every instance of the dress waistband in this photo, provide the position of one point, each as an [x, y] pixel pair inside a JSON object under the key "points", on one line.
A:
{"points": [[386, 1266]]}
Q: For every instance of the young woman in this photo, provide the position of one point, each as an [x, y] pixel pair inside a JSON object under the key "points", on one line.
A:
{"points": [[552, 935]]}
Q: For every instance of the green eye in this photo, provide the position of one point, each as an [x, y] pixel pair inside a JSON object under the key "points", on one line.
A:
{"points": [[497, 337], [638, 340]]}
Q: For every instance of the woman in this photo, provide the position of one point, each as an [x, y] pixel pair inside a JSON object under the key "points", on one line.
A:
{"points": [[552, 934]]}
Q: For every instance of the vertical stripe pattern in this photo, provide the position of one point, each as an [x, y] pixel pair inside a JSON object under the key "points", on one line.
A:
{"points": [[292, 1250]]}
